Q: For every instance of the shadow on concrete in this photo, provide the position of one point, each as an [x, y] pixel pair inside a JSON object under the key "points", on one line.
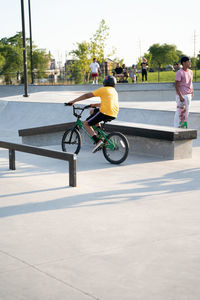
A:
{"points": [[172, 183], [28, 165]]}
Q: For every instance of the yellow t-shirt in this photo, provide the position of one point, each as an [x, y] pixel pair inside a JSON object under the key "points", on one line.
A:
{"points": [[109, 100]]}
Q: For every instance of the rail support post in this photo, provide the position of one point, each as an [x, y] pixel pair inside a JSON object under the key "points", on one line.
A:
{"points": [[72, 171], [12, 159]]}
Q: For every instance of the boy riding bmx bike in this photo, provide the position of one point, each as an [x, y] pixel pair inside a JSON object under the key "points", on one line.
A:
{"points": [[106, 110]]}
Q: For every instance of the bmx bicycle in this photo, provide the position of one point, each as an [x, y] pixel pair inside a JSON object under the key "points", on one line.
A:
{"points": [[115, 145]]}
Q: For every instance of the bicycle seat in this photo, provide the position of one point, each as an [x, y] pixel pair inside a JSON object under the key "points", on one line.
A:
{"points": [[104, 122]]}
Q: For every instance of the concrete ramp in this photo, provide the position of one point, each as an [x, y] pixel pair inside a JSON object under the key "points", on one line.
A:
{"points": [[15, 115], [140, 103], [155, 117]]}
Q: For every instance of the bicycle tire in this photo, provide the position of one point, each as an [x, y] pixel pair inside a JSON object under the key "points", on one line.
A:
{"points": [[71, 141], [121, 148]]}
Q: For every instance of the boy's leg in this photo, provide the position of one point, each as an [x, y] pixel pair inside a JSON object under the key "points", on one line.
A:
{"points": [[91, 132], [92, 111], [92, 120], [188, 99], [92, 78], [146, 75], [96, 79], [89, 129]]}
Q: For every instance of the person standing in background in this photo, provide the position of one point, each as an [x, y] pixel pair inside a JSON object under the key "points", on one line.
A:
{"points": [[184, 87], [125, 73], [176, 66], [144, 67], [95, 70], [118, 72], [132, 74]]}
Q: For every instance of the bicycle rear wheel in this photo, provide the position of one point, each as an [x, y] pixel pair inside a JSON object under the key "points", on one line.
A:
{"points": [[117, 150], [71, 141]]}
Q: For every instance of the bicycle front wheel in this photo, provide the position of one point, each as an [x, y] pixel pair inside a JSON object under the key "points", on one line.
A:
{"points": [[116, 149], [71, 141]]}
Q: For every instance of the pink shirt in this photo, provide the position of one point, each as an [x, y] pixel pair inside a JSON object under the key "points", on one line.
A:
{"points": [[185, 81]]}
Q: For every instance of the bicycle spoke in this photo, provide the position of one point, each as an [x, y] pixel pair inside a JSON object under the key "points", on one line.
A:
{"points": [[116, 149], [71, 141]]}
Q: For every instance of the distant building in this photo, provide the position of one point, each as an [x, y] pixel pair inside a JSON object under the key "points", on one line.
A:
{"points": [[52, 64], [53, 71]]}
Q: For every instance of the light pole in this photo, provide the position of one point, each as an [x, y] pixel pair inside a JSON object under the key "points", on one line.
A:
{"points": [[31, 51], [24, 51]]}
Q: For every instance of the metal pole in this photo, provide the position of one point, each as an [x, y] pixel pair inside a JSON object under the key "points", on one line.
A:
{"points": [[31, 48], [72, 171], [24, 51], [12, 159], [106, 68]]}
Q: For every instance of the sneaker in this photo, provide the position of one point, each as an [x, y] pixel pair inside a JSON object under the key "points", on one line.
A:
{"points": [[97, 147]]}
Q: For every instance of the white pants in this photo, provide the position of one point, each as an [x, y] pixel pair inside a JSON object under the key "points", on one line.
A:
{"points": [[188, 99]]}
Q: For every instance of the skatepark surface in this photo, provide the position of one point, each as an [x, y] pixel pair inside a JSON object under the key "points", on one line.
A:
{"points": [[127, 232]]}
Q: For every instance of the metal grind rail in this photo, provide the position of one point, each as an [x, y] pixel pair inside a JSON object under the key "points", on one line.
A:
{"points": [[71, 158]]}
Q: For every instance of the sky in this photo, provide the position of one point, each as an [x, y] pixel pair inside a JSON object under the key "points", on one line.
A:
{"points": [[133, 25]]}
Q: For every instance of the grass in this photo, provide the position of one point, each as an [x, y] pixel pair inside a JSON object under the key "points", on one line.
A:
{"points": [[165, 76]]}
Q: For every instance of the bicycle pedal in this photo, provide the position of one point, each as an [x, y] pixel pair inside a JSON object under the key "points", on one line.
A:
{"points": [[98, 147]]}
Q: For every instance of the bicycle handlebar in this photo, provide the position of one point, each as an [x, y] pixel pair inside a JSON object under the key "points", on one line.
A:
{"points": [[70, 104], [76, 108]]}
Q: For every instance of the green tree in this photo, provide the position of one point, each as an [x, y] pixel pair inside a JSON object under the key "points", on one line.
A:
{"points": [[11, 51], [82, 59], [193, 62], [198, 60], [179, 54], [162, 55], [2, 60], [40, 61], [72, 71], [98, 42], [86, 51], [11, 57]]}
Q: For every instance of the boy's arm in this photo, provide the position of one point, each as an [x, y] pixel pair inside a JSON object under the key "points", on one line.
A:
{"points": [[178, 90], [83, 97], [95, 105]]}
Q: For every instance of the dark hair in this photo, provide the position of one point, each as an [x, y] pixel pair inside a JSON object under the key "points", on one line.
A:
{"points": [[176, 63], [184, 59]]}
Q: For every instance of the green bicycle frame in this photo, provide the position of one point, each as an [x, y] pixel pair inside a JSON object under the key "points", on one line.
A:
{"points": [[101, 135]]}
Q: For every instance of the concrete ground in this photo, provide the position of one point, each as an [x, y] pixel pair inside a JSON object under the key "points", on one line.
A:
{"points": [[128, 232]]}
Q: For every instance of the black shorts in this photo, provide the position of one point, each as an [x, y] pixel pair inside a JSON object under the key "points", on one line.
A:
{"points": [[97, 117]]}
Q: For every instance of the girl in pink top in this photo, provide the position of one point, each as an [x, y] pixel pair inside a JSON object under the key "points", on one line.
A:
{"points": [[184, 87]]}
